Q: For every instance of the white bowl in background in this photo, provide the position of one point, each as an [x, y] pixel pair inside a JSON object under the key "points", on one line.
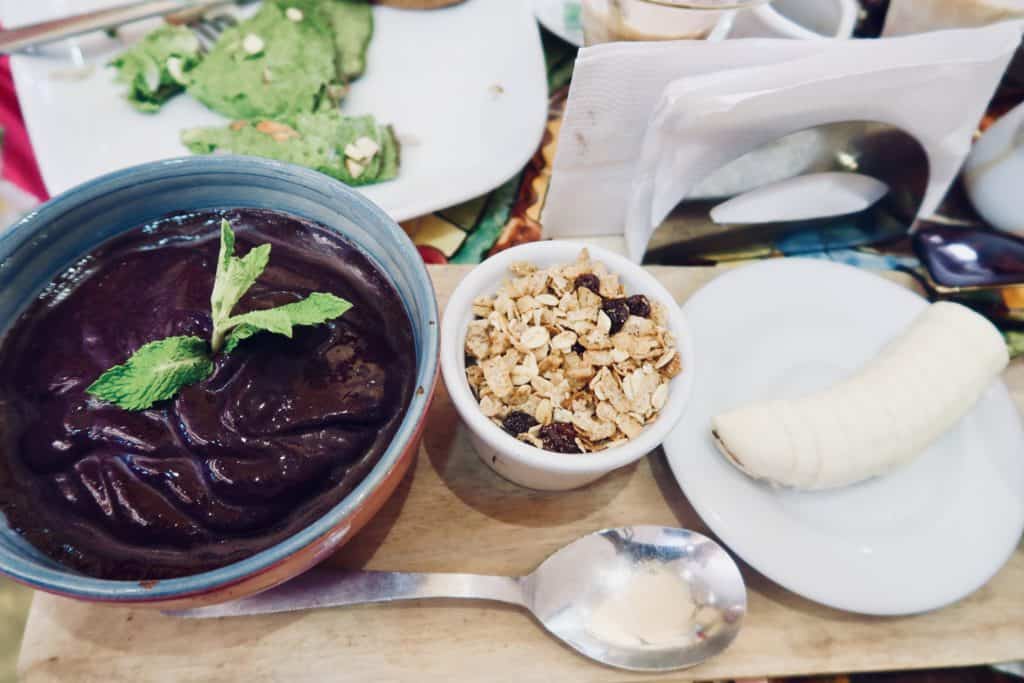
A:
{"points": [[518, 461], [993, 171], [797, 19]]}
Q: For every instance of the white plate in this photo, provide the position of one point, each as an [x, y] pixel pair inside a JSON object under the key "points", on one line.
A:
{"points": [[465, 88], [919, 538]]}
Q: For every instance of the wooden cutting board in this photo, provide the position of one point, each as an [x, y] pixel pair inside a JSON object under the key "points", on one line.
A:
{"points": [[453, 514]]}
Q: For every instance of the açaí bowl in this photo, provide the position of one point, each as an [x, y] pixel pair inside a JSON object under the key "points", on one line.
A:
{"points": [[59, 232]]}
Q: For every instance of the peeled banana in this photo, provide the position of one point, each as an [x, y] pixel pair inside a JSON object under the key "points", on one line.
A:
{"points": [[879, 418]]}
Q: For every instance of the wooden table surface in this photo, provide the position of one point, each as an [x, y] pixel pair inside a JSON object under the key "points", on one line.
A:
{"points": [[451, 513]]}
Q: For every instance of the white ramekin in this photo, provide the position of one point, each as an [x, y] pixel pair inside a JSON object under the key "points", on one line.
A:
{"points": [[520, 462]]}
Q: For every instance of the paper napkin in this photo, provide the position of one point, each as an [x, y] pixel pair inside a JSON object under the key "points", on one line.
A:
{"points": [[645, 122]]}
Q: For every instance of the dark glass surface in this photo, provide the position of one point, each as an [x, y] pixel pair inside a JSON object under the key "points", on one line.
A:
{"points": [[957, 257]]}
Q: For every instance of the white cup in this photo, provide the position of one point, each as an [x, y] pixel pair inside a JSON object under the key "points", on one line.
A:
{"points": [[799, 19], [606, 21], [993, 171], [614, 20]]}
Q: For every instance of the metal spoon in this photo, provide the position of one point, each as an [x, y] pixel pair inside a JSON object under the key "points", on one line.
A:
{"points": [[646, 598]]}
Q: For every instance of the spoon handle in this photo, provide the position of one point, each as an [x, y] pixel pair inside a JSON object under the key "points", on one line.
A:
{"points": [[335, 588]]}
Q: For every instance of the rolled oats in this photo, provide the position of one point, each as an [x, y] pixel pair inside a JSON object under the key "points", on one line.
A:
{"points": [[561, 346], [535, 337]]}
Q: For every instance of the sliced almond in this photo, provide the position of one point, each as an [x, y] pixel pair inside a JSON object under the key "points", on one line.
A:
{"points": [[660, 396], [535, 337], [278, 131], [520, 397], [253, 44], [544, 412], [605, 411], [531, 439], [630, 427], [482, 306], [526, 304], [520, 268], [176, 69], [522, 374], [673, 368], [367, 147], [497, 376], [475, 377], [490, 406], [354, 168], [563, 341]]}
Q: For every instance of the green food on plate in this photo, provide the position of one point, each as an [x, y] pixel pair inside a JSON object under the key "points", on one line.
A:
{"points": [[158, 67], [280, 76], [354, 149], [267, 66], [350, 22]]}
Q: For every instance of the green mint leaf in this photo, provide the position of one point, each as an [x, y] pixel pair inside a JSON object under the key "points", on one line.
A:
{"points": [[157, 371], [227, 249], [233, 279], [317, 308], [238, 335], [235, 275]]}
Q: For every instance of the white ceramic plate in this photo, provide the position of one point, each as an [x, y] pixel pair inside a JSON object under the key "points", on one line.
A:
{"points": [[465, 88], [919, 538]]}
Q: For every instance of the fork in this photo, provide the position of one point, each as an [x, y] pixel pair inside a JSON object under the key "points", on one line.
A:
{"points": [[206, 28], [174, 12]]}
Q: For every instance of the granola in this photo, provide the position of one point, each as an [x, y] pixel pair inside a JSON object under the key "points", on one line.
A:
{"points": [[563, 359]]}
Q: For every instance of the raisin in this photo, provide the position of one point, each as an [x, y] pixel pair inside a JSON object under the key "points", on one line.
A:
{"points": [[518, 422], [578, 348], [559, 437], [590, 281], [639, 305], [617, 311]]}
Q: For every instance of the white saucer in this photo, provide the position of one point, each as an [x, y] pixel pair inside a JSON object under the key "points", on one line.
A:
{"points": [[469, 120], [919, 538]]}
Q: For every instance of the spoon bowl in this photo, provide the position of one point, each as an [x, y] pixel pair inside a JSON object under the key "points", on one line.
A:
{"points": [[645, 598]]}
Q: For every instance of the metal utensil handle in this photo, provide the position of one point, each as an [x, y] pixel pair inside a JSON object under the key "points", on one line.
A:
{"points": [[333, 588], [15, 39]]}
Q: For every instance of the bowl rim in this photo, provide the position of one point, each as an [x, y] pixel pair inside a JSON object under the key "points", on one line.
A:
{"points": [[479, 281], [65, 581]]}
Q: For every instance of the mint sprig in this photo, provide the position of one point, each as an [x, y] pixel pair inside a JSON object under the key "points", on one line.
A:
{"points": [[315, 309], [155, 372], [160, 369], [234, 278]]}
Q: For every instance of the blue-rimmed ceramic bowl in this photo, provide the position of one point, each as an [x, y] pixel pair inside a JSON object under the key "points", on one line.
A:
{"points": [[59, 232]]}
